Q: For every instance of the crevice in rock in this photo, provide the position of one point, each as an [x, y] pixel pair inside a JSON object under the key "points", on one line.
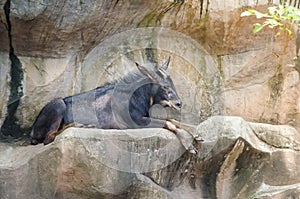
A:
{"points": [[295, 3], [10, 126], [116, 3], [150, 54], [297, 61]]}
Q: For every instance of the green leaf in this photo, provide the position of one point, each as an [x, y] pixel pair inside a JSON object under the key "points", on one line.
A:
{"points": [[281, 17], [280, 7], [259, 15], [247, 13], [272, 22], [296, 16], [257, 27], [289, 31], [272, 10]]}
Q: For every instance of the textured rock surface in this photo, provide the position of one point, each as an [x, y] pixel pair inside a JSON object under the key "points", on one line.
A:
{"points": [[58, 42], [218, 66], [91, 163], [4, 71]]}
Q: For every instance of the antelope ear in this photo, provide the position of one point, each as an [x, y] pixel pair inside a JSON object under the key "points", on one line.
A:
{"points": [[166, 64], [146, 72]]}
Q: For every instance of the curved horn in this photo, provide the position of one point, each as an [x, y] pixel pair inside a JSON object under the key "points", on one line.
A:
{"points": [[166, 64], [152, 76]]}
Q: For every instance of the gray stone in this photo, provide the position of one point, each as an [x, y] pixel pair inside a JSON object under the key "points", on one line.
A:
{"points": [[218, 66], [4, 81], [233, 162], [67, 47], [47, 78]]}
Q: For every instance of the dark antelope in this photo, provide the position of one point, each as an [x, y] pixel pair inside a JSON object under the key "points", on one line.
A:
{"points": [[123, 104]]}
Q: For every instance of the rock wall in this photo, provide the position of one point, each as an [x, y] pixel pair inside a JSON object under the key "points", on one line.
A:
{"points": [[237, 160], [58, 48], [66, 47]]}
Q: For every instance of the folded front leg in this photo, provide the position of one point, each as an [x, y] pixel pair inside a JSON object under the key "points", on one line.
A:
{"points": [[185, 138], [188, 127]]}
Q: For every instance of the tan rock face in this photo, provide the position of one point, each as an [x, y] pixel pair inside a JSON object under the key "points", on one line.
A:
{"points": [[218, 67], [4, 71], [63, 43], [233, 162], [55, 29]]}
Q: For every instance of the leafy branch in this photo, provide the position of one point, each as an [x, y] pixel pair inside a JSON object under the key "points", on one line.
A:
{"points": [[281, 17]]}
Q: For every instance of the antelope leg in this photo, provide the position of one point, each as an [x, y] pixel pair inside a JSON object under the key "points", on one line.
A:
{"points": [[185, 137], [53, 133], [191, 129]]}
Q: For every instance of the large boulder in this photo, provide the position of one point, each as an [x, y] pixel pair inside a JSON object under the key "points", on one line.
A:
{"points": [[237, 160]]}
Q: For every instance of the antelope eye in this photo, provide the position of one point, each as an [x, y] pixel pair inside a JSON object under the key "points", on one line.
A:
{"points": [[165, 87]]}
